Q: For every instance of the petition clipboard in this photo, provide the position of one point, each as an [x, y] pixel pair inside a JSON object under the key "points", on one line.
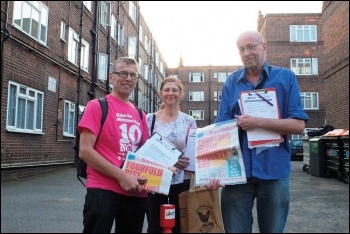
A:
{"points": [[261, 103]]}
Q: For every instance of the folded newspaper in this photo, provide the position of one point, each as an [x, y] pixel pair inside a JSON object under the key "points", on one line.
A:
{"points": [[158, 176], [218, 154]]}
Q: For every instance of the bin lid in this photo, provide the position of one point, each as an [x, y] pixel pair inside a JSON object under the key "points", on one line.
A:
{"points": [[315, 139]]}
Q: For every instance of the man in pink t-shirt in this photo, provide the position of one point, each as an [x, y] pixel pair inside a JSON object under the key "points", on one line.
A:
{"points": [[113, 194]]}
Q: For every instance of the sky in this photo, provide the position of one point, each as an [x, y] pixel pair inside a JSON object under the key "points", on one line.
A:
{"points": [[205, 33]]}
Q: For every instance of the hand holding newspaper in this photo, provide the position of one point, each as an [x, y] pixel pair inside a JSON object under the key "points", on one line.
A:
{"points": [[218, 154], [158, 176], [154, 160]]}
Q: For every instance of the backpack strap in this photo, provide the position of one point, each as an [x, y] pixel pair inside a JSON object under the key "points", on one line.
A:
{"points": [[140, 112], [153, 121], [104, 107]]}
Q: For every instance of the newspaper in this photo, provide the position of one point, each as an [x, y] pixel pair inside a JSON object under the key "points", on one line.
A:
{"points": [[158, 176], [218, 154]]}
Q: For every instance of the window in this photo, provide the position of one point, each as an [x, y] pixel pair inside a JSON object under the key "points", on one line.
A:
{"points": [[132, 11], [309, 100], [222, 76], [120, 35], [196, 96], [217, 95], [197, 114], [132, 47], [215, 113], [140, 34], [25, 109], [303, 33], [102, 67], [63, 31], [69, 115], [146, 43], [304, 66], [105, 13], [139, 98], [196, 77], [81, 109], [87, 4], [114, 28], [73, 45], [174, 75], [31, 17]]}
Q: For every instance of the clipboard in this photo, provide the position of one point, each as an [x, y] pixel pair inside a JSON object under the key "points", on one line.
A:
{"points": [[160, 149], [261, 103]]}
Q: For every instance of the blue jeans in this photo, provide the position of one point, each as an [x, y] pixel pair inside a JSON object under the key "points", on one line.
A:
{"points": [[102, 207], [237, 202]]}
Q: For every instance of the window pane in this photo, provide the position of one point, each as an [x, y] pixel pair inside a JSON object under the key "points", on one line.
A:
{"points": [[39, 111], [17, 13], [12, 106], [26, 17], [35, 24], [43, 29], [66, 110], [30, 115], [21, 113]]}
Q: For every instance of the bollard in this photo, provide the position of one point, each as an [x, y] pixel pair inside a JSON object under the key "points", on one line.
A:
{"points": [[167, 217]]}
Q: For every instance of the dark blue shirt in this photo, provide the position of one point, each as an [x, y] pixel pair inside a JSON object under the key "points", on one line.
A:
{"points": [[272, 162]]}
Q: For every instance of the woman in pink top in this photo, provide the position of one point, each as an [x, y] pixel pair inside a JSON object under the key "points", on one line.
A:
{"points": [[113, 194]]}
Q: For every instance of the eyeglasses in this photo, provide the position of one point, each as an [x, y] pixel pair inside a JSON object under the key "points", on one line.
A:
{"points": [[125, 75], [249, 48]]}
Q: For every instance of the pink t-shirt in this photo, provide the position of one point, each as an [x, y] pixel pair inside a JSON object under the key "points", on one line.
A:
{"points": [[122, 131]]}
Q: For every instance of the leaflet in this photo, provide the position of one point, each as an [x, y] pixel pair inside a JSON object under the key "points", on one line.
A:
{"points": [[218, 154], [158, 176]]}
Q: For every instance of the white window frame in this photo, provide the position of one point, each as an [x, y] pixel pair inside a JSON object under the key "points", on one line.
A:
{"points": [[197, 114], [196, 96], [63, 31], [310, 100], [141, 34], [105, 13], [217, 95], [304, 66], [102, 67], [120, 35], [132, 11], [303, 33], [87, 4], [81, 110], [114, 28], [196, 77], [222, 76], [73, 44], [215, 113], [25, 109], [37, 14], [69, 119], [132, 47]]}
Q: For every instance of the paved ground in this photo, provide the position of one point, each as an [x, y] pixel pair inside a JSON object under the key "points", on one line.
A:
{"points": [[53, 203]]}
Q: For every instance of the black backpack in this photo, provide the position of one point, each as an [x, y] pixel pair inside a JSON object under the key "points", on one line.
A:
{"points": [[80, 164]]}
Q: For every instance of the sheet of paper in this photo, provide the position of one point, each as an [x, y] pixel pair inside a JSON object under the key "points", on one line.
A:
{"points": [[262, 103], [159, 149], [190, 148]]}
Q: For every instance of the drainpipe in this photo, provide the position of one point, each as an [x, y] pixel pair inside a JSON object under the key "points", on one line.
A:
{"points": [[95, 33], [7, 36], [109, 47], [79, 70]]}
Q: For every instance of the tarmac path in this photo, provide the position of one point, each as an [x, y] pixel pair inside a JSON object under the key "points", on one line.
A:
{"points": [[53, 203]]}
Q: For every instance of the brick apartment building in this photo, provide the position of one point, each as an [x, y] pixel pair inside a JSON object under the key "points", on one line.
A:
{"points": [[49, 72], [55, 58]]}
